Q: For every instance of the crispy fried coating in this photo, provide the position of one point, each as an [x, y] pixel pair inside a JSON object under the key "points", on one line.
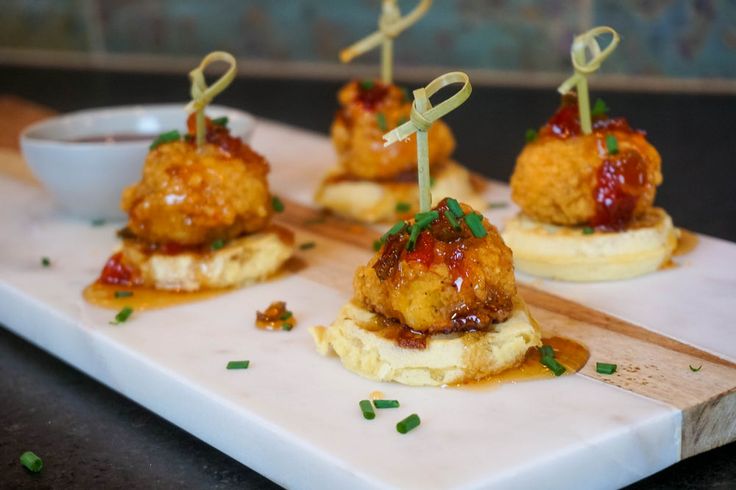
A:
{"points": [[368, 111], [451, 281], [192, 197], [567, 178]]}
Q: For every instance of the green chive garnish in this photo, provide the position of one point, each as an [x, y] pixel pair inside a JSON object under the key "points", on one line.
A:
{"points": [[454, 206], [547, 354], [605, 368], [367, 408], [396, 228], [377, 244], [403, 207], [695, 369], [45, 261], [530, 135], [611, 144], [381, 120], [122, 315], [452, 219], [123, 294], [221, 121], [217, 244], [276, 204], [409, 423], [498, 205], [386, 403], [366, 84], [33, 463], [599, 108], [415, 231], [588, 230], [167, 137], [475, 223], [307, 245], [286, 315], [98, 222], [286, 326], [238, 365], [423, 220]]}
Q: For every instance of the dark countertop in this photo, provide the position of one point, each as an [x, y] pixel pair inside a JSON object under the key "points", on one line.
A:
{"points": [[89, 435]]}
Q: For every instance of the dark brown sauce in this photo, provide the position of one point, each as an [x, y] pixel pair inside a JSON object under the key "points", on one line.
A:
{"points": [[687, 242], [571, 354], [113, 138], [394, 331], [103, 295]]}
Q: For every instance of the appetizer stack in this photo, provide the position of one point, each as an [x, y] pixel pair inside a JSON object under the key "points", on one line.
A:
{"points": [[585, 183]]}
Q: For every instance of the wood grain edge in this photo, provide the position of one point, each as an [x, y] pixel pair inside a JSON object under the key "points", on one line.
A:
{"points": [[709, 425]]}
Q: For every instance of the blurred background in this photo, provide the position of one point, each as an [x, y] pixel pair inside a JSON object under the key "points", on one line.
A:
{"points": [[674, 45]]}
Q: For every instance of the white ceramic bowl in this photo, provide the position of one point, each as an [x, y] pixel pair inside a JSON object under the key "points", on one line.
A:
{"points": [[87, 178]]}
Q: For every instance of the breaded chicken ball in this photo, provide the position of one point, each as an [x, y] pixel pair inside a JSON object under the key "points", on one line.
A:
{"points": [[604, 179], [192, 197], [457, 276], [369, 110]]}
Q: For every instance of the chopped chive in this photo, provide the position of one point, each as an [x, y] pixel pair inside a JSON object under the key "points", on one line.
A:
{"points": [[409, 423], [403, 207], [221, 121], [547, 354], [381, 120], [452, 219], [530, 135], [366, 84], [276, 204], [122, 315], [605, 368], [238, 365], [286, 326], [553, 365], [546, 351], [377, 244], [398, 227], [475, 223], [425, 219], [367, 408], [123, 294], [33, 463], [695, 369], [307, 245], [98, 222], [454, 206], [498, 205], [588, 230], [167, 137], [217, 244], [45, 262], [386, 403], [599, 108], [286, 315], [611, 144], [415, 231]]}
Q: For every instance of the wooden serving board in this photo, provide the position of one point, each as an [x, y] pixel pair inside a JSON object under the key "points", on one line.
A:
{"points": [[598, 431]]}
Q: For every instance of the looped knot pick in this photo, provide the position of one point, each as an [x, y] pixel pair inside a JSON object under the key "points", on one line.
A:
{"points": [[202, 94], [390, 25], [583, 44], [422, 117]]}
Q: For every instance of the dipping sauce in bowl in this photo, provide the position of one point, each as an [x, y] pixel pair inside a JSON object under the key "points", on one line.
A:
{"points": [[85, 159]]}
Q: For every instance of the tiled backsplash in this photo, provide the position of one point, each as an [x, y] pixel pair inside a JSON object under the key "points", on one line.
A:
{"points": [[663, 38]]}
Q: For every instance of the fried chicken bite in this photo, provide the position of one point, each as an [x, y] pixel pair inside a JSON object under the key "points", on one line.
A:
{"points": [[450, 280], [368, 110], [604, 179], [190, 197]]}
